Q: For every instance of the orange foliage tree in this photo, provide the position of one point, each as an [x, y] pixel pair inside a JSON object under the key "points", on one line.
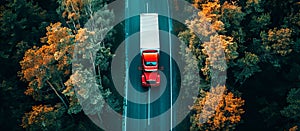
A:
{"points": [[217, 110], [48, 68], [42, 117], [45, 68], [208, 45], [214, 48]]}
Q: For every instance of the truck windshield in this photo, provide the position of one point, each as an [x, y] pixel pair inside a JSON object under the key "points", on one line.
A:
{"points": [[151, 63]]}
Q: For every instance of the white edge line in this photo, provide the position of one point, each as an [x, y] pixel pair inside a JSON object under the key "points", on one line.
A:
{"points": [[126, 74], [171, 83], [126, 88], [149, 107]]}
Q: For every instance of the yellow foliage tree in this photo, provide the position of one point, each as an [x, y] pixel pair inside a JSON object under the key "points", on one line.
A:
{"points": [[278, 41], [72, 10]]}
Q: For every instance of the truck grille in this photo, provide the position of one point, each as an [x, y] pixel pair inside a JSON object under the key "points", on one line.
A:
{"points": [[151, 82]]}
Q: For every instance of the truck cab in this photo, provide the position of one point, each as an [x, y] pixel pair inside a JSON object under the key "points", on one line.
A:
{"points": [[150, 75]]}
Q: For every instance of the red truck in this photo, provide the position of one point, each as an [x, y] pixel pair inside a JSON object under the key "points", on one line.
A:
{"points": [[149, 46]]}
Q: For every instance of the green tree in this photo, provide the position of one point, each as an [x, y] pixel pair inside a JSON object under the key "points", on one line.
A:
{"points": [[246, 67], [258, 19], [22, 24], [291, 111]]}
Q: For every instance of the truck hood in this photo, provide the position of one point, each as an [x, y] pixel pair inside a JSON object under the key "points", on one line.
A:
{"points": [[151, 76]]}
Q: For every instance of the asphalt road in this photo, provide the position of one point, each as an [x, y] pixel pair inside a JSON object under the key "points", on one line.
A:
{"points": [[141, 102]]}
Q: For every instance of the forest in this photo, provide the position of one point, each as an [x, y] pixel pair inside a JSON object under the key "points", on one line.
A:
{"points": [[260, 39]]}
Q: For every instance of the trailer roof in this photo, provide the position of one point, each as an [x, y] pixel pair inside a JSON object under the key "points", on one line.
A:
{"points": [[149, 31]]}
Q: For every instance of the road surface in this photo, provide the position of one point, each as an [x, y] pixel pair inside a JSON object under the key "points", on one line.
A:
{"points": [[142, 107]]}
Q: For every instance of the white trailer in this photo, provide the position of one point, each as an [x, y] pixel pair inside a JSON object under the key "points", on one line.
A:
{"points": [[149, 32]]}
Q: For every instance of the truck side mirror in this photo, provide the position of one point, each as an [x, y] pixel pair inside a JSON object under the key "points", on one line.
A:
{"points": [[161, 68], [140, 68]]}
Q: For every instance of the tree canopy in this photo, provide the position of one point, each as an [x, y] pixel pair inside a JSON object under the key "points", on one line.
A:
{"points": [[255, 38], [256, 43]]}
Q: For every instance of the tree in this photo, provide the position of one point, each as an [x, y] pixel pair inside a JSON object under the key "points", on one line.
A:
{"points": [[263, 37], [23, 22], [291, 111], [45, 68], [232, 16], [93, 43], [43, 117], [214, 47], [48, 68], [217, 110], [22, 25], [277, 41], [258, 18], [246, 67]]}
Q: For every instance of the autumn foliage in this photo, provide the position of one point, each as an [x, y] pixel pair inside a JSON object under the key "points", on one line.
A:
{"points": [[254, 44], [49, 63], [42, 117], [243, 38], [217, 110], [56, 73]]}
